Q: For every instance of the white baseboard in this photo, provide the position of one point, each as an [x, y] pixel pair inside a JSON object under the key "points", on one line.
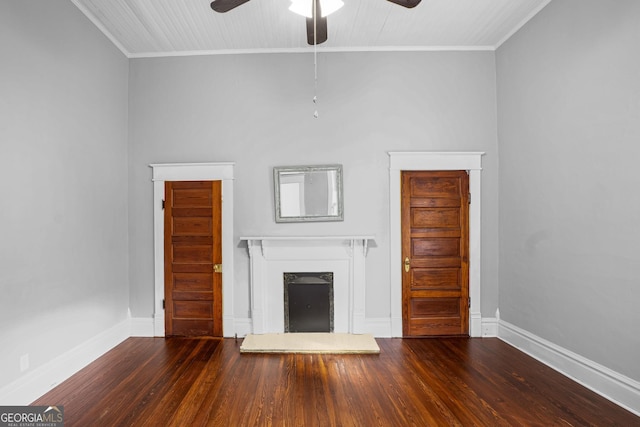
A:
{"points": [[383, 327], [242, 327], [142, 327], [612, 385], [34, 384], [378, 327], [475, 324], [158, 324], [150, 327], [489, 327]]}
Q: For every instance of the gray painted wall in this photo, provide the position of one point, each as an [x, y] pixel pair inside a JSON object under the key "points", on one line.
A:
{"points": [[63, 182], [569, 132], [257, 111]]}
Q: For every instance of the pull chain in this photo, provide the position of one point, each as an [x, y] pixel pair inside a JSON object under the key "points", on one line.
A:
{"points": [[315, 59]]}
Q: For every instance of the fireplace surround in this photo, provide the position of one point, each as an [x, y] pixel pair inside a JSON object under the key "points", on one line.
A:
{"points": [[273, 256]]}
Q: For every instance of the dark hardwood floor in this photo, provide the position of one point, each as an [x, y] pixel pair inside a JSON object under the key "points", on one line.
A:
{"points": [[421, 382]]}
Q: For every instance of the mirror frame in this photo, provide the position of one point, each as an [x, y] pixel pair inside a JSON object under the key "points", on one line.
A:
{"points": [[278, 170]]}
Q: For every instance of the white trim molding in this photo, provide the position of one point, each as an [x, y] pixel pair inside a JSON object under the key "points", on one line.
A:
{"points": [[425, 161], [41, 380], [379, 327], [619, 389], [142, 327], [489, 327], [194, 172]]}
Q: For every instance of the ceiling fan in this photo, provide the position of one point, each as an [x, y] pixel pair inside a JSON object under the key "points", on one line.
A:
{"points": [[317, 33]]}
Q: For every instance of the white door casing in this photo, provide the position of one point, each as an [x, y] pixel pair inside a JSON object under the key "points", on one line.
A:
{"points": [[434, 161], [194, 172]]}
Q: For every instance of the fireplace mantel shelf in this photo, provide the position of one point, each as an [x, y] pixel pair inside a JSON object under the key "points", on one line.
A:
{"points": [[366, 237], [263, 240]]}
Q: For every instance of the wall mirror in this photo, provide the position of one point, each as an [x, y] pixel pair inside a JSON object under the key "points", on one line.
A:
{"points": [[308, 193]]}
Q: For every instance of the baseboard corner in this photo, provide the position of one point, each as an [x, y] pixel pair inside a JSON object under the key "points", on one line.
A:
{"points": [[619, 389], [42, 379]]}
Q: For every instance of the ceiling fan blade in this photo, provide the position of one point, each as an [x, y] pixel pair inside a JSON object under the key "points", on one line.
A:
{"points": [[406, 3], [320, 30], [222, 6]]}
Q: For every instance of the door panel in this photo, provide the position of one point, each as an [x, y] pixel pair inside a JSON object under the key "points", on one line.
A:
{"points": [[192, 226], [435, 278], [192, 281], [193, 291], [435, 244], [432, 218], [435, 247]]}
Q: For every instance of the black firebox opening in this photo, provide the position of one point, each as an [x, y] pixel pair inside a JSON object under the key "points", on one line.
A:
{"points": [[308, 302]]}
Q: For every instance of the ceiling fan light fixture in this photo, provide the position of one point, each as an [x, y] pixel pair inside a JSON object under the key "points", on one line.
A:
{"points": [[304, 7]]}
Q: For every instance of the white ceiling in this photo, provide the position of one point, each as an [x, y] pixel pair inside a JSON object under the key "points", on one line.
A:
{"points": [[142, 28]]}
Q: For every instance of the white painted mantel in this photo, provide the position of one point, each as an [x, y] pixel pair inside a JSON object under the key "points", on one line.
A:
{"points": [[272, 256]]}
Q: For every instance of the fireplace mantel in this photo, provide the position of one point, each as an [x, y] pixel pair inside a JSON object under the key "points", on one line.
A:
{"points": [[272, 256], [349, 242]]}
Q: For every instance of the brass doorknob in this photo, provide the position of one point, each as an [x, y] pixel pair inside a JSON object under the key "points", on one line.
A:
{"points": [[407, 264]]}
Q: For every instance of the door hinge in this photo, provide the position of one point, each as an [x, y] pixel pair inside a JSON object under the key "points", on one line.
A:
{"points": [[469, 198], [469, 302], [163, 204], [163, 306]]}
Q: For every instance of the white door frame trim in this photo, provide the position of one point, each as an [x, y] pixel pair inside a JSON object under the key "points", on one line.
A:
{"points": [[194, 172], [425, 160]]}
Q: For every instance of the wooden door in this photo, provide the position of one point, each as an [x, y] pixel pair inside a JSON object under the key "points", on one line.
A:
{"points": [[193, 256], [435, 253]]}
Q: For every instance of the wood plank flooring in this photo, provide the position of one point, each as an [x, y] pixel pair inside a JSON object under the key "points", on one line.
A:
{"points": [[412, 382]]}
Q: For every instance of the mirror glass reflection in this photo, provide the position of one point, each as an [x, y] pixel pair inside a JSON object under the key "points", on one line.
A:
{"points": [[308, 193]]}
